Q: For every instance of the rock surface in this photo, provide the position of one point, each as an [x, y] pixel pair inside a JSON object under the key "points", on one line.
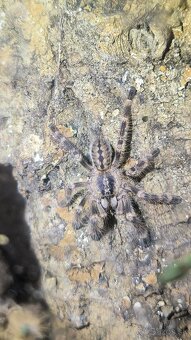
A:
{"points": [[72, 62]]}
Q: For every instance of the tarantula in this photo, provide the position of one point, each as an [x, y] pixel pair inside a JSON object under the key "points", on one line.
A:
{"points": [[109, 188]]}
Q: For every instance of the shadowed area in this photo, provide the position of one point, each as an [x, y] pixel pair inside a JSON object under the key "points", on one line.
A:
{"points": [[20, 273], [17, 253]]}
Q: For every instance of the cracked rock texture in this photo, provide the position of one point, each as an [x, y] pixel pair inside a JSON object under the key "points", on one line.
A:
{"points": [[71, 62]]}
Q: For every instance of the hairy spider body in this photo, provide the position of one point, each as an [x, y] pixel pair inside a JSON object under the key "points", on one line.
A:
{"points": [[101, 154], [110, 189], [106, 184]]}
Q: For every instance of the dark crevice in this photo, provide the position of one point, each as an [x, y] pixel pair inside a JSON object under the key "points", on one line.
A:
{"points": [[168, 45], [20, 271]]}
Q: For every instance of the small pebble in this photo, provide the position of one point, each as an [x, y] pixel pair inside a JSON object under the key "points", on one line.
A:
{"points": [[4, 240], [51, 283], [115, 113], [137, 305], [126, 303], [161, 303], [150, 279], [141, 288], [162, 68]]}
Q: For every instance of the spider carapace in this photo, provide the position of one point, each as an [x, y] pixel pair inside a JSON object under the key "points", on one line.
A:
{"points": [[110, 188]]}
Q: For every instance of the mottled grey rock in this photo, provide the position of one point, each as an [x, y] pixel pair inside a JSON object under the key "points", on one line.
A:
{"points": [[71, 63]]}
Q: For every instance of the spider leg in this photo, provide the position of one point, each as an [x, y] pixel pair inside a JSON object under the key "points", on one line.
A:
{"points": [[131, 216], [125, 135], [143, 166], [71, 191], [97, 220], [152, 198], [67, 145], [81, 219], [125, 207]]}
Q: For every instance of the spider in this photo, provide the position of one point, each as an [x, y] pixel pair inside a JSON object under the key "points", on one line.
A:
{"points": [[110, 189]]}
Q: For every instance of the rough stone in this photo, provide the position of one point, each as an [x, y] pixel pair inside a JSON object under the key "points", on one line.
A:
{"points": [[71, 63]]}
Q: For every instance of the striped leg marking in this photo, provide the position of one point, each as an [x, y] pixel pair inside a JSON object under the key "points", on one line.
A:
{"points": [[124, 141], [96, 222], [143, 166], [67, 145], [160, 199], [71, 191], [125, 207], [80, 218]]}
